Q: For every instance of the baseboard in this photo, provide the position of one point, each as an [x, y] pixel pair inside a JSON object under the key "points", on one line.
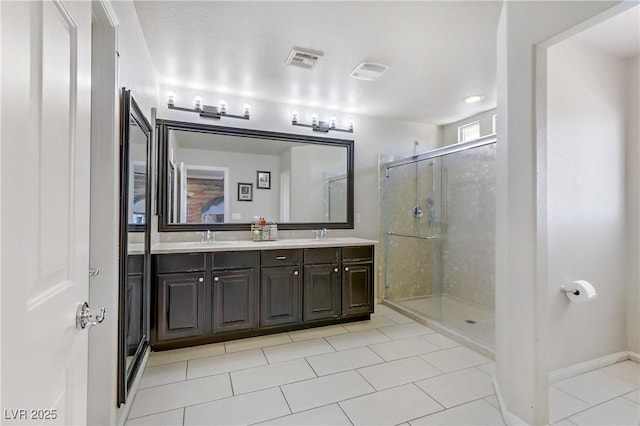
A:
{"points": [[508, 417], [594, 364]]}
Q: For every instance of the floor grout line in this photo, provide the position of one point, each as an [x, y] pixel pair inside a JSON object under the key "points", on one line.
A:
{"points": [[369, 347]]}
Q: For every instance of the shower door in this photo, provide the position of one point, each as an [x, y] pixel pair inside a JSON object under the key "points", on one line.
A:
{"points": [[413, 247]]}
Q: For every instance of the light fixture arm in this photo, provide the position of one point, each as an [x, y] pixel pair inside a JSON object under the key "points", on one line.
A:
{"points": [[209, 111], [321, 126]]}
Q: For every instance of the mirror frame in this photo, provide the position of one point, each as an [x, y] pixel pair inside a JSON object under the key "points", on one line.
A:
{"points": [[126, 376], [163, 128]]}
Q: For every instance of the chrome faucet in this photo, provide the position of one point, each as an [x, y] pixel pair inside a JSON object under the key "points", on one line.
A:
{"points": [[208, 237], [320, 234]]}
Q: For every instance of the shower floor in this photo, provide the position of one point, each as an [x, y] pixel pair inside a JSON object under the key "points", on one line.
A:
{"points": [[455, 313]]}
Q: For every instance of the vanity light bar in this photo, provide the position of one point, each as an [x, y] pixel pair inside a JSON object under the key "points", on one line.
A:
{"points": [[320, 126], [208, 110]]}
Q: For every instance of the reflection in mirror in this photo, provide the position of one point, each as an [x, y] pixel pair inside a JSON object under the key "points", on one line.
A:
{"points": [[137, 173], [294, 179], [133, 322]]}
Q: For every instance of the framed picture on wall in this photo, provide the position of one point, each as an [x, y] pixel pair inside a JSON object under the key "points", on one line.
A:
{"points": [[245, 191], [264, 180]]}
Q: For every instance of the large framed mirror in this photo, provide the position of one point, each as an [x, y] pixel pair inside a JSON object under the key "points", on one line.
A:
{"points": [[220, 178], [135, 204]]}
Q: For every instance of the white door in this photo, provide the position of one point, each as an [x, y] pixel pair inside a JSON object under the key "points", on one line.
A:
{"points": [[183, 193], [45, 127]]}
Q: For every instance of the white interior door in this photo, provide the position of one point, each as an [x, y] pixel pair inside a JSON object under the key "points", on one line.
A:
{"points": [[183, 193], [46, 82]]}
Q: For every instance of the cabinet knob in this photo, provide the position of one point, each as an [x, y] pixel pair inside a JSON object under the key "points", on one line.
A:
{"points": [[346, 269], [335, 269], [295, 272], [200, 280], [216, 279]]}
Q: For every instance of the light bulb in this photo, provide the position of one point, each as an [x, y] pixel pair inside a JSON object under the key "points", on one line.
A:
{"points": [[246, 110], [171, 99], [294, 117], [222, 109], [314, 119], [332, 122], [197, 103], [473, 99]]}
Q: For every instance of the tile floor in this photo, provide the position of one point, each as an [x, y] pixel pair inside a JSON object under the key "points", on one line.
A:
{"points": [[607, 396], [387, 371]]}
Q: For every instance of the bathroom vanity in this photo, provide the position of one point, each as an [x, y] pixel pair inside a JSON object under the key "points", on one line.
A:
{"points": [[212, 292]]}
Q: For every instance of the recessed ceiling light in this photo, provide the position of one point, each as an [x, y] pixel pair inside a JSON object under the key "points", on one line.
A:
{"points": [[473, 99]]}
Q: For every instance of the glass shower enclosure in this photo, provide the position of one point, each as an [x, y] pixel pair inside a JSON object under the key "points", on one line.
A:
{"points": [[440, 237]]}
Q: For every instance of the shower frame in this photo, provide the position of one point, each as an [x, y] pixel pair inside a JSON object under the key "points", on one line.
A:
{"points": [[432, 322]]}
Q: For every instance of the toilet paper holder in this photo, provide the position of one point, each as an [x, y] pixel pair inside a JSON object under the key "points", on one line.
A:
{"points": [[569, 290]]}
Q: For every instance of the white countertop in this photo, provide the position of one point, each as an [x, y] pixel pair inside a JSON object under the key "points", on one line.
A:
{"points": [[243, 245]]}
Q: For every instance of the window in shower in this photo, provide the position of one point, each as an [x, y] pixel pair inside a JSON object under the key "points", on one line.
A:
{"points": [[469, 132]]}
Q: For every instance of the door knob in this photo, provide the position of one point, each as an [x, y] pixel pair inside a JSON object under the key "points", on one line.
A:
{"points": [[335, 269], [87, 317], [201, 280], [295, 272], [346, 269], [216, 279]]}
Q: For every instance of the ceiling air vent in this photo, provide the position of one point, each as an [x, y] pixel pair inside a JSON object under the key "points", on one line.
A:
{"points": [[368, 71], [304, 58]]}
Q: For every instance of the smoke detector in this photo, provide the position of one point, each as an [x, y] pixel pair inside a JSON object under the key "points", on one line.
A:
{"points": [[369, 71], [304, 58]]}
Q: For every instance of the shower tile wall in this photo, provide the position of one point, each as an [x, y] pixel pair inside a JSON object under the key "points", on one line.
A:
{"points": [[411, 261], [411, 265], [468, 229]]}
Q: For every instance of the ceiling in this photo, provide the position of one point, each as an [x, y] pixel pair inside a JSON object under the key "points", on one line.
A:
{"points": [[229, 143], [618, 35], [438, 52]]}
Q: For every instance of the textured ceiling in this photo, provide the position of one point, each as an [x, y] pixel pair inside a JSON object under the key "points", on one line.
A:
{"points": [[438, 52]]}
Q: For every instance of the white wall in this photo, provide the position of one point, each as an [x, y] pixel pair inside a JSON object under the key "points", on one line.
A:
{"points": [[586, 201], [450, 131], [310, 166], [372, 136], [242, 168], [632, 80], [136, 73], [521, 287]]}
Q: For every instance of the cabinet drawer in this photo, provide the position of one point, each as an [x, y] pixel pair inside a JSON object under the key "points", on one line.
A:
{"points": [[321, 255], [280, 257], [235, 259], [183, 262], [357, 253]]}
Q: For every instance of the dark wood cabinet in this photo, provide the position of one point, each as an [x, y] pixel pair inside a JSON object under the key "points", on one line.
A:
{"points": [[234, 300], [212, 297], [180, 305], [321, 292], [279, 295], [357, 287]]}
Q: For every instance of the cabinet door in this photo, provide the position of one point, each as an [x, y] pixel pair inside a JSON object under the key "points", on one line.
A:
{"points": [[279, 295], [357, 288], [234, 300], [180, 305], [321, 296]]}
